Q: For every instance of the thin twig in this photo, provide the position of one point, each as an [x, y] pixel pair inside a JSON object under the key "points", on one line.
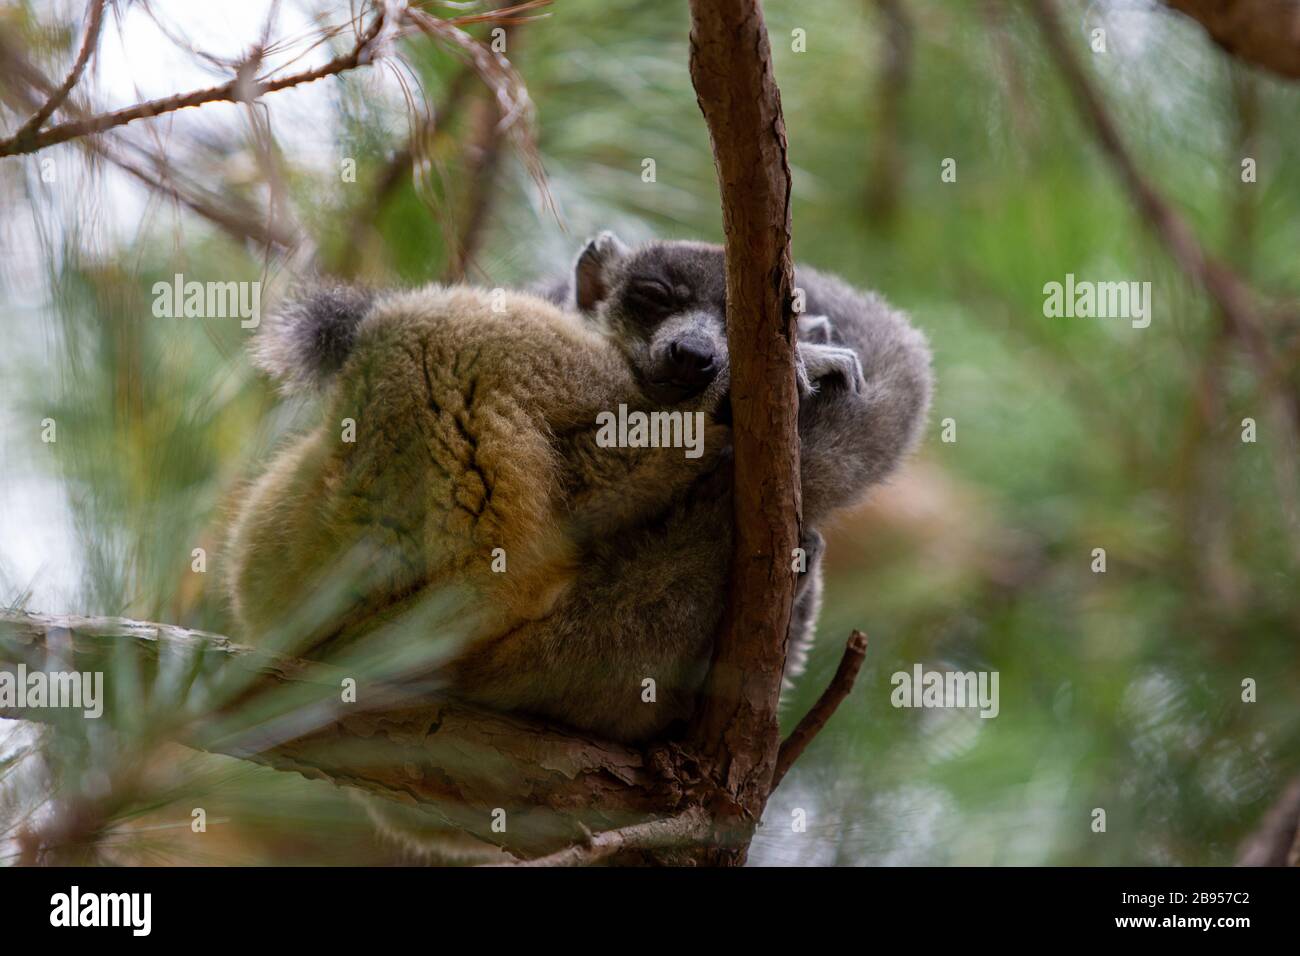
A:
{"points": [[94, 20], [855, 651], [243, 225], [240, 225], [238, 89], [690, 826], [515, 108]]}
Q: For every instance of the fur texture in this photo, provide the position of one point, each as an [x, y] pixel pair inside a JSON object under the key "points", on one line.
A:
{"points": [[865, 376], [475, 431], [474, 424], [474, 439]]}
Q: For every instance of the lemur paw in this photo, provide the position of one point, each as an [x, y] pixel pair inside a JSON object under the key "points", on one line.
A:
{"points": [[832, 365], [815, 329]]}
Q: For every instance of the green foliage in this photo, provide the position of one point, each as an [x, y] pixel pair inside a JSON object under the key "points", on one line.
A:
{"points": [[1119, 690]]}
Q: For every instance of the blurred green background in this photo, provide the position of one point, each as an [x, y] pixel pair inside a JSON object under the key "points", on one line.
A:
{"points": [[1119, 690]]}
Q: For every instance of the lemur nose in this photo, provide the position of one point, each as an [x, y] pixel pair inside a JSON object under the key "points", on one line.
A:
{"points": [[693, 361]]}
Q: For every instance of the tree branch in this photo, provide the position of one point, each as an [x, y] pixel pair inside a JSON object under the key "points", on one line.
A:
{"points": [[458, 762], [482, 157], [239, 89], [691, 826], [855, 652], [94, 20], [397, 170], [735, 731], [1265, 33], [240, 223]]}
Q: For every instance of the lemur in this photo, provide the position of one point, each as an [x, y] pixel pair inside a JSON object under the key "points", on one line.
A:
{"points": [[863, 371], [474, 493]]}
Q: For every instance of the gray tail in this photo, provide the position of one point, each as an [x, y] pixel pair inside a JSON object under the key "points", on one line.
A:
{"points": [[307, 340]]}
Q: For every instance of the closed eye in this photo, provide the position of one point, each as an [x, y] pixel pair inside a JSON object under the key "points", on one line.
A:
{"points": [[654, 294]]}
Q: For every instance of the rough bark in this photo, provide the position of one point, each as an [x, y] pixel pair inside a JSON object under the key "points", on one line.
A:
{"points": [[1265, 33], [735, 733], [458, 762], [689, 827]]}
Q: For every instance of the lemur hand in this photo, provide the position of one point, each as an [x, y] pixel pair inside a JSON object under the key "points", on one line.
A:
{"points": [[833, 366]]}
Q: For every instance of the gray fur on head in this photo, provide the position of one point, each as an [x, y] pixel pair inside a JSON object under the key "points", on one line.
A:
{"points": [[308, 338], [864, 369]]}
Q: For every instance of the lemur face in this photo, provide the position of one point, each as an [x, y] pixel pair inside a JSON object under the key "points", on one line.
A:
{"points": [[665, 303]]}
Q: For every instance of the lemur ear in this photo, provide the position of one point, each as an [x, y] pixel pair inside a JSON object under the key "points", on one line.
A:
{"points": [[591, 276]]}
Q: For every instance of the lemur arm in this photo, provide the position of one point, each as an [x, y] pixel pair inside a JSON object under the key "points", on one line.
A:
{"points": [[853, 430]]}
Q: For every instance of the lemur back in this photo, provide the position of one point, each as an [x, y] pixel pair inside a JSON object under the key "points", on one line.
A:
{"points": [[454, 475]]}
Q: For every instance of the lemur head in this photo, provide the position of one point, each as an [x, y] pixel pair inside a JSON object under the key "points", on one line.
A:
{"points": [[665, 303]]}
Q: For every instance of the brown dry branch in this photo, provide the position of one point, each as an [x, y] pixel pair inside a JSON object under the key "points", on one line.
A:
{"points": [[458, 762], [691, 827], [241, 223], [94, 20], [735, 732], [245, 87], [505, 86], [855, 652], [1265, 33], [149, 168], [482, 157], [238, 89]]}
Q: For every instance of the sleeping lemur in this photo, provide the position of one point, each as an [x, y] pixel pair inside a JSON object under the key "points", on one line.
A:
{"points": [[864, 371], [456, 492]]}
